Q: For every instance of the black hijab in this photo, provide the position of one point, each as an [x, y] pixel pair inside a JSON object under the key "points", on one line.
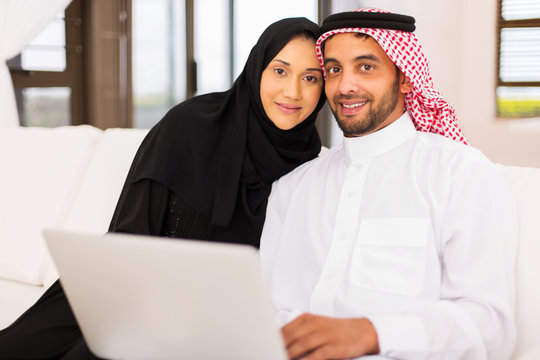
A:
{"points": [[211, 147]]}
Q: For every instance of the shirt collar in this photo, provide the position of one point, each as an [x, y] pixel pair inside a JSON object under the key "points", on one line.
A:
{"points": [[362, 148]]}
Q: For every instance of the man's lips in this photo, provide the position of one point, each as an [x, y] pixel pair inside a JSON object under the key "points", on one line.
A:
{"points": [[351, 107], [288, 108]]}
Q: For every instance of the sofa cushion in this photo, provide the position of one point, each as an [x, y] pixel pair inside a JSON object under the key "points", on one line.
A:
{"points": [[525, 183], [92, 206], [41, 171], [15, 298]]}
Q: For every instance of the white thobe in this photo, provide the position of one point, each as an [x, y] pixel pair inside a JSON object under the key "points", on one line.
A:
{"points": [[414, 231]]}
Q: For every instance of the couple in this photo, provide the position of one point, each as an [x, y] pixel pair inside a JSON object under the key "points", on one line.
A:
{"points": [[398, 242]]}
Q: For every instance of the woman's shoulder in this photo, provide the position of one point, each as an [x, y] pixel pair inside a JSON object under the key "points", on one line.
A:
{"points": [[313, 169]]}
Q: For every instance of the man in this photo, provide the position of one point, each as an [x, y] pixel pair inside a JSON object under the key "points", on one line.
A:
{"points": [[401, 241]]}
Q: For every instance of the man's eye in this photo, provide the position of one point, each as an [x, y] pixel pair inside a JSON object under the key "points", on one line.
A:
{"points": [[366, 67], [332, 70]]}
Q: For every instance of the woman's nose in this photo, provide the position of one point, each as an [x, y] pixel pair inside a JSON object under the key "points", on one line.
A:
{"points": [[292, 89]]}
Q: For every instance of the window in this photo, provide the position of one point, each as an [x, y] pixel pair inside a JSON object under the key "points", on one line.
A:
{"points": [[124, 63], [158, 58], [47, 74], [248, 28], [183, 48], [518, 81], [78, 69]]}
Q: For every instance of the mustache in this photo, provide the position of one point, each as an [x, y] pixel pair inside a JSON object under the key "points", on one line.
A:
{"points": [[342, 97]]}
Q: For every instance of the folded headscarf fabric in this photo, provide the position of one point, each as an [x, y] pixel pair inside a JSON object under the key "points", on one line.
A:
{"points": [[211, 147], [429, 110]]}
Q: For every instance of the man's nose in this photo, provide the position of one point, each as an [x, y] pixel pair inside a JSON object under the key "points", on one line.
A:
{"points": [[348, 83]]}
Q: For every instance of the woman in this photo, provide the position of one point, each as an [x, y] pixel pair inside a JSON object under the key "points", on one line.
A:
{"points": [[204, 171]]}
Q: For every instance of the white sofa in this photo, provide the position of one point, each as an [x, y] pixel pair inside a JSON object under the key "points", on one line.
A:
{"points": [[71, 177], [67, 177]]}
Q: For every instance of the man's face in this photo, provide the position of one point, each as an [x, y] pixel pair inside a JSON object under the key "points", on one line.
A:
{"points": [[363, 86]]}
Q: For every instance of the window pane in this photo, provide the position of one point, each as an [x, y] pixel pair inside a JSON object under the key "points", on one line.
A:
{"points": [[47, 107], [518, 101], [252, 17], [211, 46], [47, 51], [158, 42], [520, 54], [44, 58], [520, 9]]}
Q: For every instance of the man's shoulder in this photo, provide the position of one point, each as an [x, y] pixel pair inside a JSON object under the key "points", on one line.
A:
{"points": [[453, 153]]}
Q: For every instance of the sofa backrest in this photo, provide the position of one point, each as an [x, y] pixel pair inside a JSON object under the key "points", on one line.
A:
{"points": [[92, 206], [525, 183], [61, 177]]}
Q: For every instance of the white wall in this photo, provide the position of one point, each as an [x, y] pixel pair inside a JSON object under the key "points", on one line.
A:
{"points": [[459, 39]]}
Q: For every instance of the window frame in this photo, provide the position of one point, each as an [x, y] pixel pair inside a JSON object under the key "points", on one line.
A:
{"points": [[509, 24], [73, 75]]}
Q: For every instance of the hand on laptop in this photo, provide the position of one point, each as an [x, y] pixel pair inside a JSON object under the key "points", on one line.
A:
{"points": [[314, 337]]}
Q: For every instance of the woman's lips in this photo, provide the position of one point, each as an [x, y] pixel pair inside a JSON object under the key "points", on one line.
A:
{"points": [[288, 108]]}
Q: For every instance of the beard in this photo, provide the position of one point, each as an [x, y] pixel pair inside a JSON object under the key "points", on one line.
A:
{"points": [[378, 112]]}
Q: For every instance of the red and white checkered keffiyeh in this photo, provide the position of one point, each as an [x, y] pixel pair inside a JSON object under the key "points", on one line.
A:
{"points": [[429, 110]]}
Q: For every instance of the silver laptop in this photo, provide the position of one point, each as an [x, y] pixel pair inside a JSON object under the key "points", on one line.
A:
{"points": [[141, 297]]}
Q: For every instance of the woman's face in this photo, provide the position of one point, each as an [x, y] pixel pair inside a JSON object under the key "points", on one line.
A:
{"points": [[292, 83]]}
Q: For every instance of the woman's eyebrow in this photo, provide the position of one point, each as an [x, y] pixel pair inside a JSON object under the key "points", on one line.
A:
{"points": [[282, 61], [288, 64]]}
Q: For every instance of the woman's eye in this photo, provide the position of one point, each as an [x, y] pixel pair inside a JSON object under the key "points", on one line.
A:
{"points": [[279, 71], [311, 78]]}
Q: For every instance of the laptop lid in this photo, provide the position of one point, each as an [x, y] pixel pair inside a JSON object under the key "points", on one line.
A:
{"points": [[142, 297]]}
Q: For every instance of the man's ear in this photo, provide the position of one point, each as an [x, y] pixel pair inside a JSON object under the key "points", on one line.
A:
{"points": [[405, 84]]}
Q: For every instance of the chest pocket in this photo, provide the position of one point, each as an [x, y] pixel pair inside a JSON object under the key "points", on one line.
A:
{"points": [[390, 255]]}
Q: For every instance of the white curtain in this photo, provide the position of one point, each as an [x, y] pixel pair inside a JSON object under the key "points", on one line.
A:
{"points": [[20, 22]]}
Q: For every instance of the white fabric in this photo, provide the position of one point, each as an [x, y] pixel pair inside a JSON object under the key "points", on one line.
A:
{"points": [[93, 205], [410, 229], [525, 183], [42, 169], [20, 22], [15, 298]]}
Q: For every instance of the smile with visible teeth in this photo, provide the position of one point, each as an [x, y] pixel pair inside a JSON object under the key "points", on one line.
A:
{"points": [[352, 106]]}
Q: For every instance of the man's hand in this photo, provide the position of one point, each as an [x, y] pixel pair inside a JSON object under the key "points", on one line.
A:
{"points": [[313, 337]]}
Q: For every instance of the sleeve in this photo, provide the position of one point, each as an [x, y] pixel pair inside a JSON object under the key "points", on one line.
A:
{"points": [[270, 233], [141, 208], [270, 239], [474, 318]]}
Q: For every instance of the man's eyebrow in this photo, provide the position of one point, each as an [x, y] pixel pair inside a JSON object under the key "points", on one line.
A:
{"points": [[367, 57], [327, 60], [361, 57]]}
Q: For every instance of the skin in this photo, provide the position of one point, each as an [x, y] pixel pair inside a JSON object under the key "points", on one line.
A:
{"points": [[292, 83], [365, 90], [315, 337], [366, 93]]}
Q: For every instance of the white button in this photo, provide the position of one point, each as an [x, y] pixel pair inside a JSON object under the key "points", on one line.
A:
{"points": [[330, 275], [350, 194]]}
